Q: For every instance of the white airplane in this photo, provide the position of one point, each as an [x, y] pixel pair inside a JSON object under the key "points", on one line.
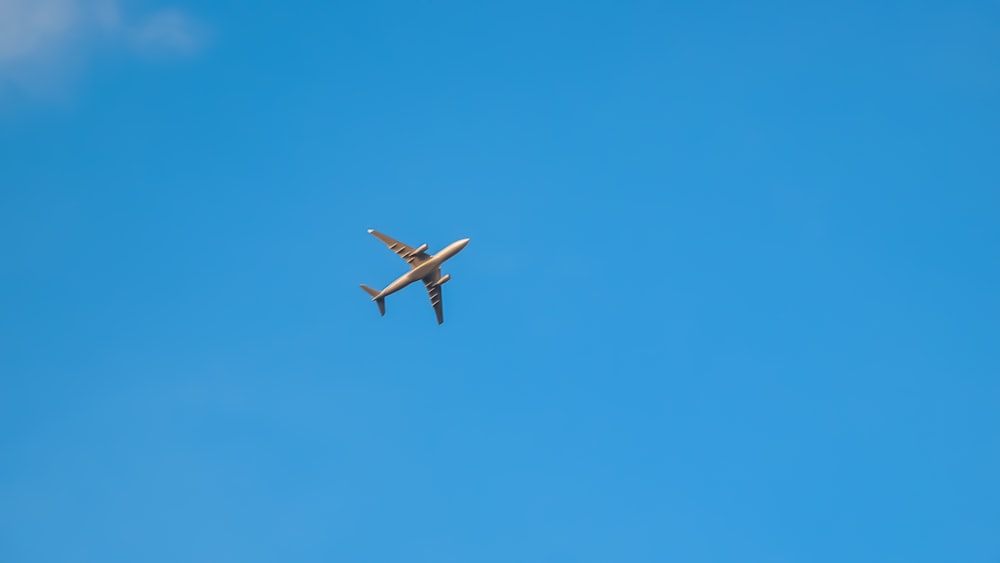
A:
{"points": [[424, 267]]}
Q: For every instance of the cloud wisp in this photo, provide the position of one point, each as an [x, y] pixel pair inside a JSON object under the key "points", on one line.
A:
{"points": [[39, 37]]}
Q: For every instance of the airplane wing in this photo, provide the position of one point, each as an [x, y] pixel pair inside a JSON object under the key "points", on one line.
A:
{"points": [[412, 257], [434, 292]]}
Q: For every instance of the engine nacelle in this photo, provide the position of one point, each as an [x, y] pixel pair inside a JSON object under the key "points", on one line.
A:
{"points": [[443, 279], [418, 249]]}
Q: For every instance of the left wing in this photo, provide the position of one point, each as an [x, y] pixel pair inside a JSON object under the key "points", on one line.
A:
{"points": [[434, 292], [408, 253]]}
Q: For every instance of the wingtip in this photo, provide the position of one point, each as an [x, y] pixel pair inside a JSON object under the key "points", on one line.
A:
{"points": [[370, 231]]}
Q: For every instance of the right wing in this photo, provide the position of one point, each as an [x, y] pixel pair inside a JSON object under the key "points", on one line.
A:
{"points": [[434, 292], [407, 253]]}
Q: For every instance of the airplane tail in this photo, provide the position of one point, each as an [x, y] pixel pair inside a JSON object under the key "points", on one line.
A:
{"points": [[374, 293]]}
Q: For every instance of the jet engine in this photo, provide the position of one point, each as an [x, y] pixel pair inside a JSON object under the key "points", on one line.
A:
{"points": [[418, 249], [443, 279]]}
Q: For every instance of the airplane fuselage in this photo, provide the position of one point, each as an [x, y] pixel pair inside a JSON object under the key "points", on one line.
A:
{"points": [[425, 269]]}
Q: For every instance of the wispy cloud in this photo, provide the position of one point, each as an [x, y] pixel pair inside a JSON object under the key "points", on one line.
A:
{"points": [[38, 37], [29, 27], [169, 30]]}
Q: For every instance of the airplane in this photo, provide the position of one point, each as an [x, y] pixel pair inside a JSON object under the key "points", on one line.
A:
{"points": [[424, 267]]}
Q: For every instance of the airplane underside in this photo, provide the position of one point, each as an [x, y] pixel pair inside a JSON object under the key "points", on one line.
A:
{"points": [[419, 262]]}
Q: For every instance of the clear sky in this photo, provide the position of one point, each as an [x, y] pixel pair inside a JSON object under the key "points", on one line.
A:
{"points": [[731, 294]]}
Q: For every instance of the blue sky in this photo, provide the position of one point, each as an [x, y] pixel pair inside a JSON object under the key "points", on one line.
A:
{"points": [[730, 296]]}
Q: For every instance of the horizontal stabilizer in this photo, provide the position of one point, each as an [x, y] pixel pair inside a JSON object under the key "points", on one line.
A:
{"points": [[379, 300]]}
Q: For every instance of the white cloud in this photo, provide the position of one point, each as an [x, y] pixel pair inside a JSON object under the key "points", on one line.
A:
{"points": [[38, 37], [107, 14], [171, 30], [28, 27]]}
